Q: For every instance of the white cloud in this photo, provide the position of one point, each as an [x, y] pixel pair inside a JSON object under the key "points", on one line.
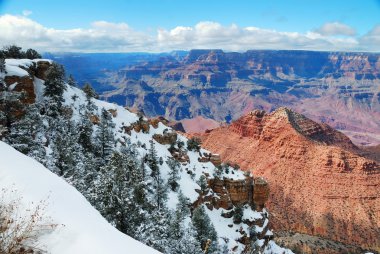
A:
{"points": [[104, 36], [336, 28], [214, 35], [371, 40], [101, 37], [26, 12]]}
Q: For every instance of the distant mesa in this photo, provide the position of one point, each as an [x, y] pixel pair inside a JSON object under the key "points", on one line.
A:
{"points": [[340, 89]]}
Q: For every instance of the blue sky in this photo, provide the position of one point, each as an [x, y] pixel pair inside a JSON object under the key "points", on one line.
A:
{"points": [[344, 20]]}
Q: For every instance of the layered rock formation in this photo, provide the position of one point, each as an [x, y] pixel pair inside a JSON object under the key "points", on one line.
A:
{"points": [[340, 89], [320, 183]]}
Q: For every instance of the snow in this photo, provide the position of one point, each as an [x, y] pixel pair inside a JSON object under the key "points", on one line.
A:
{"points": [[11, 87], [273, 248], [16, 67], [84, 230]]}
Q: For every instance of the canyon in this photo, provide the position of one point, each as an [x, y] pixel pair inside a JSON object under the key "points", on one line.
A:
{"points": [[321, 184], [341, 89]]}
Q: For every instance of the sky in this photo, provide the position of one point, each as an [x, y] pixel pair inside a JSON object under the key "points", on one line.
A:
{"points": [[165, 25]]}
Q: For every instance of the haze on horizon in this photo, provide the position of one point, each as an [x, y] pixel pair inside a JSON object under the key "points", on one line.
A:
{"points": [[166, 25]]}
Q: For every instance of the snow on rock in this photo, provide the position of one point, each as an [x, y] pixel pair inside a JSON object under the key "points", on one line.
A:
{"points": [[82, 229]]}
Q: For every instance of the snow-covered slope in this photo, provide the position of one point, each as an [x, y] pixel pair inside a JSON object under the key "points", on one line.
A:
{"points": [[81, 229], [85, 231]]}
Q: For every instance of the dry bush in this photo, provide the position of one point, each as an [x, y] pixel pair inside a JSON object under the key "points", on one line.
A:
{"points": [[21, 229]]}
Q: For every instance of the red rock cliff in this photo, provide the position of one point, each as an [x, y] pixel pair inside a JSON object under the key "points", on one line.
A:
{"points": [[319, 183]]}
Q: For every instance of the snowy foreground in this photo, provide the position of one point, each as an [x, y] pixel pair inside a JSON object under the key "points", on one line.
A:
{"points": [[81, 229]]}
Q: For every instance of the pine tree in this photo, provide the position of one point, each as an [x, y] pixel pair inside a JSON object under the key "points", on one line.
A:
{"points": [[85, 129], [155, 232], [54, 89], [160, 191], [194, 144], [174, 166], [66, 152], [238, 214], [202, 182], [2, 65], [205, 230], [13, 51], [159, 187], [182, 239], [152, 159], [183, 205], [26, 134], [71, 81], [112, 191], [11, 106], [105, 136], [32, 54], [89, 91]]}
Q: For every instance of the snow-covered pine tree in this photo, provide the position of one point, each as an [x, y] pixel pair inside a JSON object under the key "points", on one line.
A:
{"points": [[155, 231], [32, 54], [13, 51], [26, 134], [66, 154], [2, 64], [112, 191], [105, 140], [174, 167], [152, 159], [205, 230], [54, 89], [202, 182], [85, 129], [182, 239], [10, 106], [159, 187], [71, 81], [89, 91], [183, 205]]}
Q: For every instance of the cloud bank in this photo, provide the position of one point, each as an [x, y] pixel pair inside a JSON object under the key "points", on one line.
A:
{"points": [[104, 36]]}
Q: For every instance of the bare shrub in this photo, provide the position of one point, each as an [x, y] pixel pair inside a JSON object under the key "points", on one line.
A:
{"points": [[21, 229]]}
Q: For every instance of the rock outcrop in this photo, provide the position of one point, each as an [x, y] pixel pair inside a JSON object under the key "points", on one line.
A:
{"points": [[24, 83], [320, 184]]}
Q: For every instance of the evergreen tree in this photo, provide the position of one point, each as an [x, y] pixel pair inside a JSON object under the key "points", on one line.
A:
{"points": [[160, 191], [174, 166], [194, 144], [89, 91], [182, 239], [159, 187], [152, 159], [26, 134], [238, 214], [2, 65], [112, 192], [11, 106], [85, 129], [105, 136], [202, 182], [32, 54], [90, 94], [71, 81], [66, 152], [13, 51], [155, 232], [54, 89], [183, 205], [205, 230]]}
